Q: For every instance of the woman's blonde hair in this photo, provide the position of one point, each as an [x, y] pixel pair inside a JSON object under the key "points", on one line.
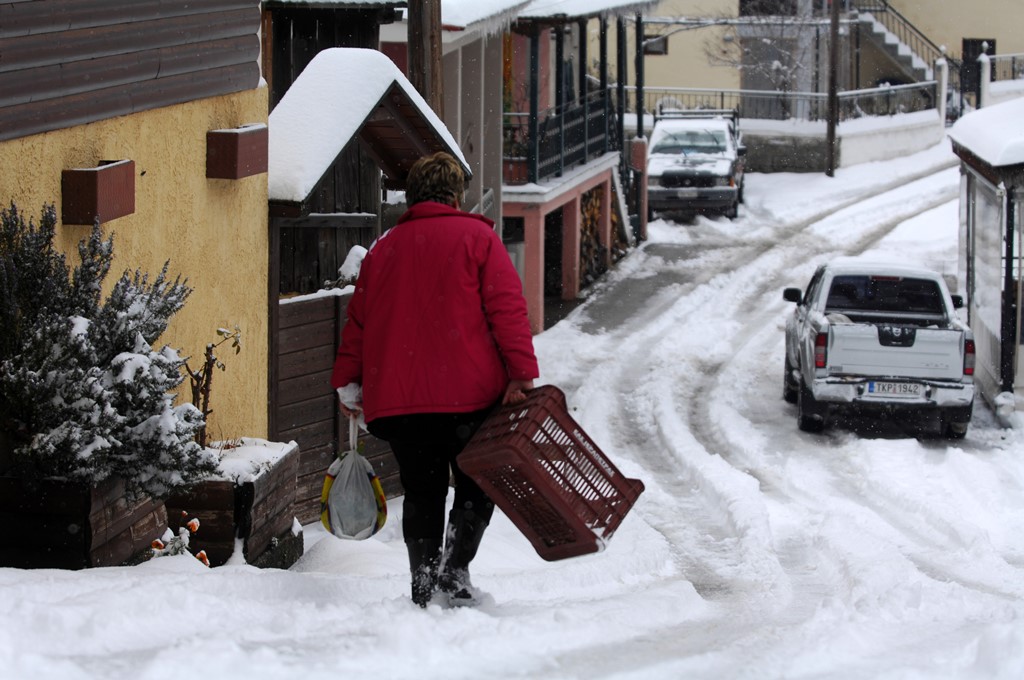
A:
{"points": [[437, 177]]}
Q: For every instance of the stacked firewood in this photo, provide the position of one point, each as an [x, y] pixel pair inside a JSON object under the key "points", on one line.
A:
{"points": [[593, 253]]}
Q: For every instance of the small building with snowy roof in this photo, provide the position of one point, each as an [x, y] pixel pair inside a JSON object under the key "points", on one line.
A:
{"points": [[990, 144], [344, 97]]}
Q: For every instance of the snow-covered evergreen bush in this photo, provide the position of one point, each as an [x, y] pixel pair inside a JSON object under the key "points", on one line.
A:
{"points": [[83, 393]]}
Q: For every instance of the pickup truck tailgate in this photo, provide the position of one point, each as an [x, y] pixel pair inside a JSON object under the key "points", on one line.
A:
{"points": [[865, 349]]}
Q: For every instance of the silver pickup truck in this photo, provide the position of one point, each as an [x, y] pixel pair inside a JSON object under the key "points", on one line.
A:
{"points": [[882, 337]]}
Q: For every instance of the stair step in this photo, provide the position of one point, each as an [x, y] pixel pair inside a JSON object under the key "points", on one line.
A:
{"points": [[897, 49]]}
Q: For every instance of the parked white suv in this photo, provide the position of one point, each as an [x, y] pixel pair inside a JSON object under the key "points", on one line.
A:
{"points": [[695, 163]]}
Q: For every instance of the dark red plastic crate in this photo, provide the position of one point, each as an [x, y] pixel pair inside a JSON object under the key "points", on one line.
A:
{"points": [[544, 472]]}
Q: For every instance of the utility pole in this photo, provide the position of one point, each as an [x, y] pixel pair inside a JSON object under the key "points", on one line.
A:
{"points": [[833, 92], [424, 52]]}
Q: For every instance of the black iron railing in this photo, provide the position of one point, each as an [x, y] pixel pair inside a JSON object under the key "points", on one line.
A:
{"points": [[912, 37], [809, 106], [567, 136], [1007, 66], [906, 32]]}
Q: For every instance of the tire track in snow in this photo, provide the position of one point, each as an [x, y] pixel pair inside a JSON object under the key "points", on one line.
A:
{"points": [[721, 531], [744, 290], [927, 525], [725, 548]]}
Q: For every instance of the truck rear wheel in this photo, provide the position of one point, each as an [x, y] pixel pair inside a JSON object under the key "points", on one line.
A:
{"points": [[954, 429], [954, 422], [810, 416], [789, 390]]}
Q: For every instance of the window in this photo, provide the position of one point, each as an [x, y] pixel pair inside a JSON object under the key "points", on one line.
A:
{"points": [[767, 8], [884, 294], [656, 45]]}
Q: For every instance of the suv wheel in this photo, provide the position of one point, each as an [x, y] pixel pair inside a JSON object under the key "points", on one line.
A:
{"points": [[789, 390], [810, 416]]}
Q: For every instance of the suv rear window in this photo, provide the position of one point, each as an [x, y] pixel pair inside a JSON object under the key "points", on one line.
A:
{"points": [[884, 294]]}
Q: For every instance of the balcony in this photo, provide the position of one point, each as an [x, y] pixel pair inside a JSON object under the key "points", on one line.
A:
{"points": [[560, 138]]}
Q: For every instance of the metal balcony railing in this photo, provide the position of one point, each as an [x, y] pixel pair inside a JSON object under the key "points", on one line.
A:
{"points": [[566, 136]]}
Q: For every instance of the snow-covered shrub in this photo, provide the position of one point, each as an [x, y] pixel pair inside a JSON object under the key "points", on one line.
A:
{"points": [[83, 393]]}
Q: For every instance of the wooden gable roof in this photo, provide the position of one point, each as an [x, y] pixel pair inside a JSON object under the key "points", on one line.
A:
{"points": [[348, 94]]}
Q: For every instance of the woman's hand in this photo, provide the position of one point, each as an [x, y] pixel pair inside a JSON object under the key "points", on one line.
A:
{"points": [[350, 400], [516, 391], [350, 412]]}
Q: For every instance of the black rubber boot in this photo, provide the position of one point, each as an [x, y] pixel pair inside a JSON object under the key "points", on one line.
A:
{"points": [[462, 539], [424, 557]]}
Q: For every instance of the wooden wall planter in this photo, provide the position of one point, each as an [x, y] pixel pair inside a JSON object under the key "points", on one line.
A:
{"points": [[514, 171], [105, 192], [71, 525], [259, 511], [236, 153]]}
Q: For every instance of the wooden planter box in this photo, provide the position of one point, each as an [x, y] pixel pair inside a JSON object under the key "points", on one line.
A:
{"points": [[258, 509], [72, 525], [514, 171]]}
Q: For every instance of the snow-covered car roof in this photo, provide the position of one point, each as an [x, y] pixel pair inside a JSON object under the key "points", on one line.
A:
{"points": [[856, 265], [666, 126]]}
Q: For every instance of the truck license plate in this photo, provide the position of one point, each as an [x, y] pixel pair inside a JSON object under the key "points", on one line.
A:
{"points": [[894, 389]]}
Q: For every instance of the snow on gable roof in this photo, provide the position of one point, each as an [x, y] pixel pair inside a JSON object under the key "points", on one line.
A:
{"points": [[582, 9], [487, 15], [995, 134], [327, 105]]}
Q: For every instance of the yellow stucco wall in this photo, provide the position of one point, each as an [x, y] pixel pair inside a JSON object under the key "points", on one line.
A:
{"points": [[695, 55], [213, 231], [948, 23], [689, 61]]}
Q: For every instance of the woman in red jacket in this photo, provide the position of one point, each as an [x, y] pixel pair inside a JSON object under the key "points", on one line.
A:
{"points": [[437, 336]]}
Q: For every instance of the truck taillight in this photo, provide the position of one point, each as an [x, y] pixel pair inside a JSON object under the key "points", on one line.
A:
{"points": [[968, 357], [820, 343]]}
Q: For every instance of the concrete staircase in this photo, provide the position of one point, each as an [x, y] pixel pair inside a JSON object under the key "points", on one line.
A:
{"points": [[913, 66]]}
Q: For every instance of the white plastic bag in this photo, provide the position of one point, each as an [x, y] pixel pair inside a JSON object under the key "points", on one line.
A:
{"points": [[352, 503]]}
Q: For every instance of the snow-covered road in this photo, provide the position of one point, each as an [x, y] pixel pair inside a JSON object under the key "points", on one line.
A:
{"points": [[848, 554], [756, 551]]}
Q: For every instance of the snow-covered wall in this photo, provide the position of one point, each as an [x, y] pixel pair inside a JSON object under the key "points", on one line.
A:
{"points": [[1004, 91], [888, 137], [799, 146]]}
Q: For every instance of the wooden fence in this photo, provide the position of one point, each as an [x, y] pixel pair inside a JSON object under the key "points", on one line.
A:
{"points": [[304, 406]]}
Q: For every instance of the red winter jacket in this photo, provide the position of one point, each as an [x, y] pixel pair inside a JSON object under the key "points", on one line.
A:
{"points": [[438, 321]]}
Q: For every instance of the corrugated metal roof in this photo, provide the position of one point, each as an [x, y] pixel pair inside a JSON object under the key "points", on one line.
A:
{"points": [[584, 9], [482, 14]]}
